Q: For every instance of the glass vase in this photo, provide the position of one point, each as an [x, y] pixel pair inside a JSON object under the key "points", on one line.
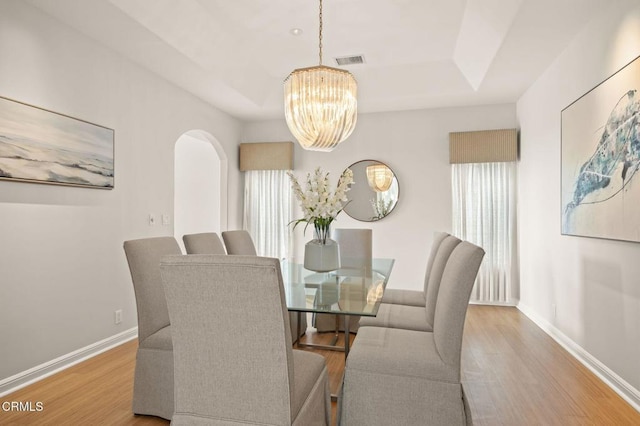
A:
{"points": [[322, 254]]}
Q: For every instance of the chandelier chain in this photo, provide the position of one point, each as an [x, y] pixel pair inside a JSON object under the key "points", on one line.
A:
{"points": [[320, 33]]}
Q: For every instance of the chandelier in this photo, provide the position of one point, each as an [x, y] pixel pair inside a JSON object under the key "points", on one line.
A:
{"points": [[379, 177], [320, 104]]}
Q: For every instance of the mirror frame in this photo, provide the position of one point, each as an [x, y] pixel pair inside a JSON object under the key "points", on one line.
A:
{"points": [[395, 179]]}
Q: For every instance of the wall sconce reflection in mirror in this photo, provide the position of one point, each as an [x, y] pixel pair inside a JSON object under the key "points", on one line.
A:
{"points": [[374, 193]]}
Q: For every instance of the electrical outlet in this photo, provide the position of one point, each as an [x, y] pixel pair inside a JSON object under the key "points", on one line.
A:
{"points": [[152, 219], [554, 310], [166, 219], [117, 317]]}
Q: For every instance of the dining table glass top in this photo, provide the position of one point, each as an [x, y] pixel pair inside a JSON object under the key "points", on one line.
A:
{"points": [[354, 289]]}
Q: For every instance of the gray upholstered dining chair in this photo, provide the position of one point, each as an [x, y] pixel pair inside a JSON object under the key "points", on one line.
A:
{"points": [[232, 361], [240, 243], [203, 243], [417, 317], [356, 252], [401, 296], [153, 377], [396, 376]]}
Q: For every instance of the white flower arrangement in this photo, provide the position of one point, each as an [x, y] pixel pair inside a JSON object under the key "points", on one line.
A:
{"points": [[319, 205], [380, 208]]}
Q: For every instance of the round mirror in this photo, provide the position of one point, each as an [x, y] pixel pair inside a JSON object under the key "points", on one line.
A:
{"points": [[374, 192]]}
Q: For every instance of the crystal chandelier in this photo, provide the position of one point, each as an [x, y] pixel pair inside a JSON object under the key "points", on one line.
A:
{"points": [[320, 104], [379, 177]]}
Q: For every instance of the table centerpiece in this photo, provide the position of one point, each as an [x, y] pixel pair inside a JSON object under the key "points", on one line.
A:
{"points": [[320, 207]]}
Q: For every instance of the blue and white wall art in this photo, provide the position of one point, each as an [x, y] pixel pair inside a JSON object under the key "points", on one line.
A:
{"points": [[600, 159], [37, 145]]}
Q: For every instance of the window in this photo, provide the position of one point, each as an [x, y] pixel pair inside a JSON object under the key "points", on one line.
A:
{"points": [[483, 181], [484, 213], [268, 212]]}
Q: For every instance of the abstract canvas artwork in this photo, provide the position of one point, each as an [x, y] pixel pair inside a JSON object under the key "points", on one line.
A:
{"points": [[37, 145], [600, 159]]}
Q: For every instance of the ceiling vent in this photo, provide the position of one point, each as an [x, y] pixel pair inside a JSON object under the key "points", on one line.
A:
{"points": [[350, 60]]}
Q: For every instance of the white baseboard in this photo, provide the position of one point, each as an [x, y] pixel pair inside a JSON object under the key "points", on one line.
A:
{"points": [[481, 302], [39, 372], [615, 382]]}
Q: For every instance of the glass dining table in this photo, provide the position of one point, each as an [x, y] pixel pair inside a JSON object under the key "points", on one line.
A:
{"points": [[349, 291]]}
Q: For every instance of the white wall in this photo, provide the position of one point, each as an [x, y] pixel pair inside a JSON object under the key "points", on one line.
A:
{"points": [[63, 272], [197, 188], [593, 283], [415, 144]]}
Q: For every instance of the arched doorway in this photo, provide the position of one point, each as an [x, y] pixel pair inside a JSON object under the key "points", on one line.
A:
{"points": [[200, 185]]}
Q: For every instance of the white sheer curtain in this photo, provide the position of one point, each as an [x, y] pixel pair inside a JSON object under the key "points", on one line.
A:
{"points": [[268, 211], [484, 213]]}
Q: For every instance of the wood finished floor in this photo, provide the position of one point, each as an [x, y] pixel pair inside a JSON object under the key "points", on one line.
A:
{"points": [[513, 374]]}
